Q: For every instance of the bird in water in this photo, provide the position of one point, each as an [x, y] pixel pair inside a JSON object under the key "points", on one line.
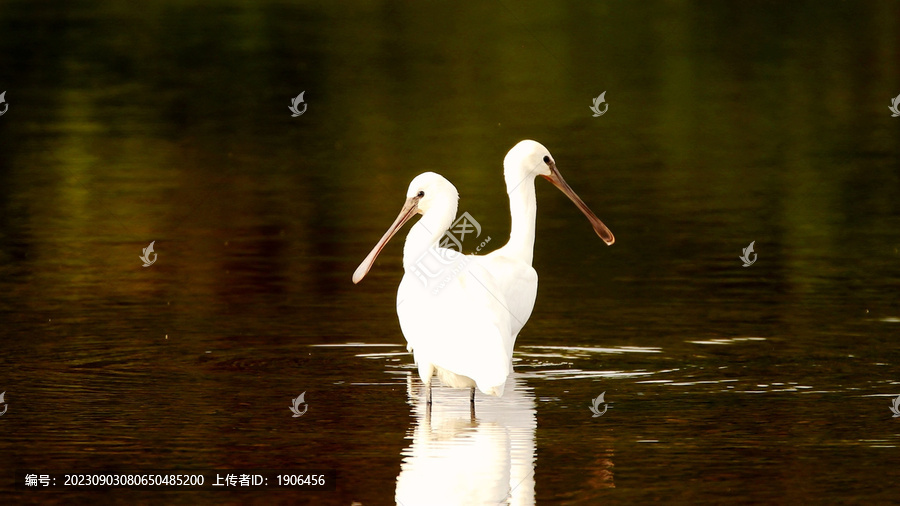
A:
{"points": [[465, 328], [512, 263]]}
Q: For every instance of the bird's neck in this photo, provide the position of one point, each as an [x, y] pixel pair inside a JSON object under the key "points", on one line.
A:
{"points": [[523, 210], [426, 233]]}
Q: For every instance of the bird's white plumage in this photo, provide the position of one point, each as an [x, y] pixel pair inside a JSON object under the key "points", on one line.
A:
{"points": [[463, 331], [457, 326]]}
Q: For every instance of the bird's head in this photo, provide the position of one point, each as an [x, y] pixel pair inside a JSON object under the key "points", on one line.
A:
{"points": [[529, 159], [526, 159], [426, 191]]}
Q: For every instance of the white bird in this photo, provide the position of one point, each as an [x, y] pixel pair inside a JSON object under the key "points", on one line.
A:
{"points": [[465, 329], [461, 331], [511, 264]]}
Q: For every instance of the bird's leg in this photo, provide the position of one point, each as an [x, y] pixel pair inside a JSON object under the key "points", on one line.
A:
{"points": [[472, 397], [428, 401]]}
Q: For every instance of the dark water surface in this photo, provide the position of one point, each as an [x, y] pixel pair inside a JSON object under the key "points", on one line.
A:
{"points": [[727, 123]]}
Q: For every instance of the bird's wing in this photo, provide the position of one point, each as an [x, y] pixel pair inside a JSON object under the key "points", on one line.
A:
{"points": [[518, 281], [465, 327]]}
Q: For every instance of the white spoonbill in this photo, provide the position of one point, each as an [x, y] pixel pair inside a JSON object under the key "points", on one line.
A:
{"points": [[461, 330], [511, 264]]}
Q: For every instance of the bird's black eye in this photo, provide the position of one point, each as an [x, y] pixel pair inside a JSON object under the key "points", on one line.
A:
{"points": [[547, 159], [421, 194]]}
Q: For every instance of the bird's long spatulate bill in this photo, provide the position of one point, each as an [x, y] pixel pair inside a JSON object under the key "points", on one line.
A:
{"points": [[410, 208], [556, 178]]}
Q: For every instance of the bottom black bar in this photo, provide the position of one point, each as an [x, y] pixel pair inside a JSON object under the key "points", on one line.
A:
{"points": [[224, 479]]}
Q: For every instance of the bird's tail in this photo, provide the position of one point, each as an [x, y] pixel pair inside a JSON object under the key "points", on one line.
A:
{"points": [[496, 391]]}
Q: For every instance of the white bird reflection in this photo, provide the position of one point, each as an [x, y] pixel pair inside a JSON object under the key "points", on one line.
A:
{"points": [[457, 458]]}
